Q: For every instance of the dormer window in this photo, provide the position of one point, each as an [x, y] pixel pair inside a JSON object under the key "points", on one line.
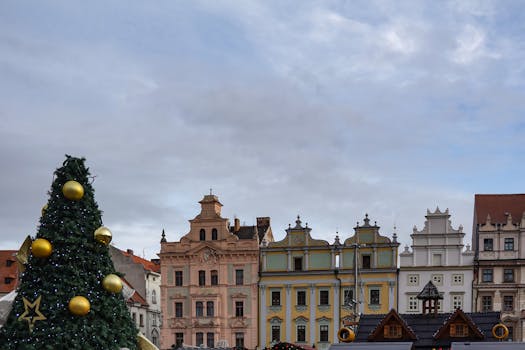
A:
{"points": [[202, 235], [392, 331], [458, 330]]}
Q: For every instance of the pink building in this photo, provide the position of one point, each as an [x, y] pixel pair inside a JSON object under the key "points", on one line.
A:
{"points": [[209, 281]]}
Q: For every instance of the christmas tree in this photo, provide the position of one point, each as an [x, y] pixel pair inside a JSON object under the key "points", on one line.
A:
{"points": [[69, 296]]}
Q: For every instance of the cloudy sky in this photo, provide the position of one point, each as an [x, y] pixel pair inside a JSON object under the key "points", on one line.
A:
{"points": [[329, 110]]}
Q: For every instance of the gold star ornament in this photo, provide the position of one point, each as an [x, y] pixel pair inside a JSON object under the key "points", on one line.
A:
{"points": [[32, 312]]}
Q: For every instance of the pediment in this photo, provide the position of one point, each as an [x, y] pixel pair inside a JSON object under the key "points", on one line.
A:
{"points": [[275, 320], [301, 319]]}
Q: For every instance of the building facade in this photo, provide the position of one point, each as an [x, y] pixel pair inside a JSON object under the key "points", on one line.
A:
{"points": [[438, 254], [209, 288], [8, 271], [307, 286], [499, 275], [144, 277]]}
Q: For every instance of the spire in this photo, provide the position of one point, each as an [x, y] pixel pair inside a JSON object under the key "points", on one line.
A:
{"points": [[163, 239]]}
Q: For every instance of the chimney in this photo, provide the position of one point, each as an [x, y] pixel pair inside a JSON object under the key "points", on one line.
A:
{"points": [[130, 251], [237, 225]]}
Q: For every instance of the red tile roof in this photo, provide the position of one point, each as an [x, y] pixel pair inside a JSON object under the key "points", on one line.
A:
{"points": [[136, 297], [498, 206], [6, 271], [148, 265]]}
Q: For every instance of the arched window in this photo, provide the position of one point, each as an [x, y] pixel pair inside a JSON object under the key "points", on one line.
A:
{"points": [[214, 234], [202, 235], [154, 297]]}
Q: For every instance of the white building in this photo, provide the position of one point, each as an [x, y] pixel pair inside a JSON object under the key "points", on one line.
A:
{"points": [[437, 255]]}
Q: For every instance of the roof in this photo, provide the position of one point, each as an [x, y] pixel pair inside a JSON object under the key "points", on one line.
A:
{"points": [[426, 326], [372, 346], [135, 297], [429, 292], [6, 271], [148, 265], [488, 345], [497, 206], [248, 232]]}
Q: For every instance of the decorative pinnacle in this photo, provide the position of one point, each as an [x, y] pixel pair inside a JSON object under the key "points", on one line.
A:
{"points": [[163, 239]]}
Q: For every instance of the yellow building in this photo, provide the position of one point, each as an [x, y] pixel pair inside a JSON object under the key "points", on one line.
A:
{"points": [[306, 287]]}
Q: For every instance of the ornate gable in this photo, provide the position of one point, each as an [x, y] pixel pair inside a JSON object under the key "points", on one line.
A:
{"points": [[298, 236], [392, 326], [459, 325]]}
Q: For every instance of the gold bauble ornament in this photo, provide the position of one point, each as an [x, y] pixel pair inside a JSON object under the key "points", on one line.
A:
{"points": [[79, 306], [73, 190], [44, 208], [103, 235], [41, 248], [112, 283]]}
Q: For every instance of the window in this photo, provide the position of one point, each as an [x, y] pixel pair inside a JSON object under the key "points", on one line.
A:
{"points": [[457, 301], [214, 234], [486, 303], [210, 309], [413, 280], [366, 261], [511, 333], [199, 309], [202, 235], [488, 244], [214, 278], [348, 295], [276, 298], [154, 320], [413, 303], [210, 341], [508, 275], [301, 333], [323, 333], [436, 259], [239, 340], [141, 320], [374, 297], [239, 309], [487, 275], [134, 317], [178, 309], [153, 297], [437, 279], [202, 278], [276, 333], [508, 303], [179, 339], [298, 264], [301, 297], [457, 279], [458, 330], [8, 263], [239, 277], [509, 244], [199, 338], [178, 278], [8, 280], [323, 297], [392, 331]]}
